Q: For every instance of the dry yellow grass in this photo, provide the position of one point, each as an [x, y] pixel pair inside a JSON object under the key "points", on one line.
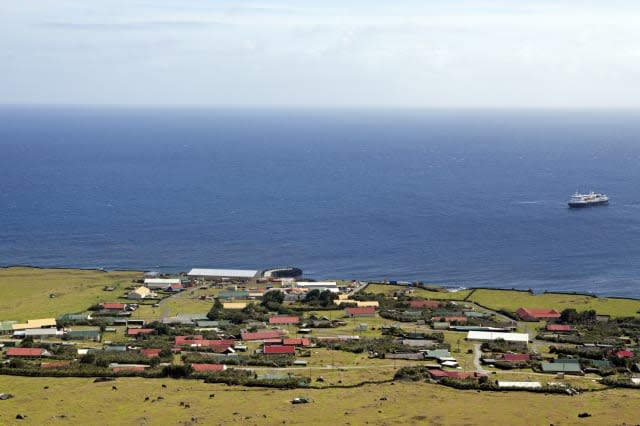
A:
{"points": [[79, 401]]}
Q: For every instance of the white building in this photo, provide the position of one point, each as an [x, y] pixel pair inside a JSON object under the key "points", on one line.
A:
{"points": [[332, 286], [214, 274], [160, 283], [140, 293], [489, 336]]}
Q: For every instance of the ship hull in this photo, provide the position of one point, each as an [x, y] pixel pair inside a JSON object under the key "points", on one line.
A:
{"points": [[588, 204]]}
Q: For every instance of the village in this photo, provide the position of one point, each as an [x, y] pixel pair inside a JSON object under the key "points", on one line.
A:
{"points": [[245, 327]]}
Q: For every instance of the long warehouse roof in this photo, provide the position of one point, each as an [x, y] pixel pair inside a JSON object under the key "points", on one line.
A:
{"points": [[228, 273], [492, 335]]}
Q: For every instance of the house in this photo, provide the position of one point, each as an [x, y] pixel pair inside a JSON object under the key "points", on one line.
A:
{"points": [[474, 314], [160, 283], [422, 304], [418, 343], [283, 320], [331, 286], [38, 333], [93, 334], [234, 305], [140, 331], [203, 368], [6, 327], [262, 335], [115, 348], [297, 342], [505, 384], [440, 325], [490, 336], [232, 295], [360, 312], [177, 287], [624, 354], [437, 354], [537, 314], [186, 340], [218, 345], [75, 318], [278, 350], [561, 367], [559, 328], [516, 357], [27, 353], [150, 352], [414, 356], [36, 323], [140, 293]]}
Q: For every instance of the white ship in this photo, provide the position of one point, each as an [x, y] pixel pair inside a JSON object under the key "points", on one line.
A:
{"points": [[587, 200]]}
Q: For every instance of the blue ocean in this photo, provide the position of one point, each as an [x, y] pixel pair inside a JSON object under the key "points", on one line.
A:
{"points": [[459, 198]]}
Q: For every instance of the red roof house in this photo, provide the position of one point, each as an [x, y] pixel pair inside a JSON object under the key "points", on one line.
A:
{"points": [[537, 314], [176, 287], [140, 331], [297, 342], [284, 320], [27, 352], [368, 311], [420, 304], [278, 350], [186, 340], [114, 306], [262, 335], [199, 368], [150, 352], [624, 354], [516, 357]]}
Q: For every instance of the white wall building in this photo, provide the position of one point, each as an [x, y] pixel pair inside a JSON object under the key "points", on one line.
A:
{"points": [[212, 274], [332, 286]]}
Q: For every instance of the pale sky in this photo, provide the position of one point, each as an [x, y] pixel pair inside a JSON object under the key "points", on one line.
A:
{"points": [[435, 54]]}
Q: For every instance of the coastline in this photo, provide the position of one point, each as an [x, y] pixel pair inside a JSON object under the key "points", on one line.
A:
{"points": [[436, 287]]}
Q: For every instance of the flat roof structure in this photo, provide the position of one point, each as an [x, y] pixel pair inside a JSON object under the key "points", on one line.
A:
{"points": [[223, 273], [492, 335], [518, 385], [167, 281], [35, 323], [332, 286]]}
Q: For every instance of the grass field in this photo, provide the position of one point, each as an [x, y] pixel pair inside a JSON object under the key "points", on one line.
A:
{"points": [[25, 291], [80, 401], [419, 292], [512, 300]]}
